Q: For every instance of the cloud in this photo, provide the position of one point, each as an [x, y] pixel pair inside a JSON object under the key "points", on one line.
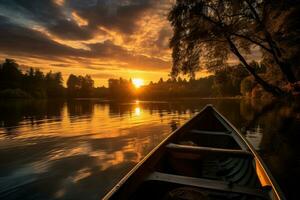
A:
{"points": [[134, 61], [48, 14], [60, 65], [70, 30], [163, 38], [104, 75], [121, 16], [20, 40], [109, 38], [4, 20]]}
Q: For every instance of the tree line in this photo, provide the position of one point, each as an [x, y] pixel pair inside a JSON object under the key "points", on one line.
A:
{"points": [[232, 81], [225, 82], [33, 83]]}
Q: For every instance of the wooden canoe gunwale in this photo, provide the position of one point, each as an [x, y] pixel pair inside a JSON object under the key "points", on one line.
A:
{"points": [[271, 180], [146, 158], [146, 163]]}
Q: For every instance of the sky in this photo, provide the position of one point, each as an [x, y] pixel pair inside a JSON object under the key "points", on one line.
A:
{"points": [[102, 38]]}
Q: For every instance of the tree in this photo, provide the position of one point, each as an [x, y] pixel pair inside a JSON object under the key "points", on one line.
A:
{"points": [[87, 85], [247, 85], [73, 82], [54, 84], [10, 75], [73, 85], [282, 22], [79, 86], [161, 80], [179, 80], [33, 82], [206, 32]]}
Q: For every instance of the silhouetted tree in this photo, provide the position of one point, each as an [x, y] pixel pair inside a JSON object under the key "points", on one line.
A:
{"points": [[54, 84], [10, 75], [121, 88], [206, 32], [227, 80], [87, 86], [34, 83], [73, 86], [79, 86], [179, 80]]}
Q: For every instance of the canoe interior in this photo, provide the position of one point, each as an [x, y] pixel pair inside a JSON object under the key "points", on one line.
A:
{"points": [[204, 159]]}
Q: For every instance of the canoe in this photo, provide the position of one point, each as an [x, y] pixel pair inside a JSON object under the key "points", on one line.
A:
{"points": [[206, 158]]}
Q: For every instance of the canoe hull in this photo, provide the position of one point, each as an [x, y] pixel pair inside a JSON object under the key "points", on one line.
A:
{"points": [[206, 157]]}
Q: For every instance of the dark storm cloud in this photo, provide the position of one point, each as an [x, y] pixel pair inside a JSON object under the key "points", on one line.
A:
{"points": [[4, 20], [23, 24], [16, 39], [70, 30], [48, 14], [109, 50], [163, 38], [121, 16]]}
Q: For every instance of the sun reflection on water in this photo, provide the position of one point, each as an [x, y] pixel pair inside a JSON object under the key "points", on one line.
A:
{"points": [[137, 111], [83, 142]]}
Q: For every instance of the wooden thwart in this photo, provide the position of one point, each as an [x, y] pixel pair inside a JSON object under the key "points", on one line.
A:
{"points": [[210, 132], [210, 150], [205, 183]]}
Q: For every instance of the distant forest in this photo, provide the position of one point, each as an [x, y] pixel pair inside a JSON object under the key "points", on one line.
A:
{"points": [[226, 82]]}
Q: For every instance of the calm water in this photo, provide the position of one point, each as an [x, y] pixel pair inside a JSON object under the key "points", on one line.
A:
{"points": [[80, 149]]}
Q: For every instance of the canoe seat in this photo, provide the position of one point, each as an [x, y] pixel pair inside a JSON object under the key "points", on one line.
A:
{"points": [[216, 139], [210, 132], [203, 183], [230, 165], [208, 150]]}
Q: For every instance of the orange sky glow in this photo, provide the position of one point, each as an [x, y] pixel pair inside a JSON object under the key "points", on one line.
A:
{"points": [[105, 39], [102, 38]]}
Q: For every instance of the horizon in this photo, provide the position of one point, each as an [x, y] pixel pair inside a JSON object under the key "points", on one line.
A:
{"points": [[139, 40], [138, 82], [104, 81], [107, 39]]}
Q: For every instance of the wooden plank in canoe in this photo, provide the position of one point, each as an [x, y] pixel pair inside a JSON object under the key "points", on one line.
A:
{"points": [[200, 149], [210, 132], [205, 183]]}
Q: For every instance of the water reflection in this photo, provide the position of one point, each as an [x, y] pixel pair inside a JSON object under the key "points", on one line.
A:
{"points": [[16, 113], [80, 149], [80, 108], [254, 136], [137, 111]]}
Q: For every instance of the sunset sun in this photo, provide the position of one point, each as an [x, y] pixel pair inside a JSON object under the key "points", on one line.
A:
{"points": [[137, 82]]}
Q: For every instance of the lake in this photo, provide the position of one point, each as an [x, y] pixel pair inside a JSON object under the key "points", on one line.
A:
{"points": [[80, 149]]}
